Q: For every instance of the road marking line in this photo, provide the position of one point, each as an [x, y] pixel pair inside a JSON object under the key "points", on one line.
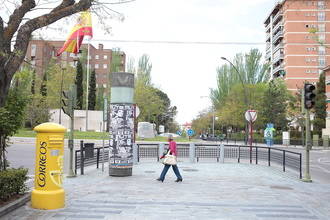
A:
{"points": [[321, 168]]}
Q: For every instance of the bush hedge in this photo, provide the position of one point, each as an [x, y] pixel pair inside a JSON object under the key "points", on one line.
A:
{"points": [[12, 182]]}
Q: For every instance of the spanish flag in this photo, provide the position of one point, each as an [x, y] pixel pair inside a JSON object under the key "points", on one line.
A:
{"points": [[76, 36]]}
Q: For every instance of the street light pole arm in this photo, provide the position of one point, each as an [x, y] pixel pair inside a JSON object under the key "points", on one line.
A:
{"points": [[240, 78]]}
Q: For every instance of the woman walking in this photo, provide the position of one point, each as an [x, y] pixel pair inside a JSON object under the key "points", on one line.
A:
{"points": [[172, 151]]}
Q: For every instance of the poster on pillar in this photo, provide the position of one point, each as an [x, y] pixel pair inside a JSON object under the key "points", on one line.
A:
{"points": [[121, 135]]}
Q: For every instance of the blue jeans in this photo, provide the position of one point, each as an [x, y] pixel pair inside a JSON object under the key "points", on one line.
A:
{"points": [[175, 169]]}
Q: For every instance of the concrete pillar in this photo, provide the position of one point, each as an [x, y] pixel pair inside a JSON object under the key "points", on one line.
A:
{"points": [[325, 141], [161, 149], [122, 116], [135, 153], [222, 153], [315, 140], [192, 152]]}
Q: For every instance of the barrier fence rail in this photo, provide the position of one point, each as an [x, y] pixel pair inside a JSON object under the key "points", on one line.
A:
{"points": [[195, 152]]}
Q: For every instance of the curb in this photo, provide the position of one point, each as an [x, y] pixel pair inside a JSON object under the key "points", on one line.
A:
{"points": [[15, 204]]}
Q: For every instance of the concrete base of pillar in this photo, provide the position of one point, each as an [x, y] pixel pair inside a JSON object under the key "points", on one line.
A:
{"points": [[120, 172]]}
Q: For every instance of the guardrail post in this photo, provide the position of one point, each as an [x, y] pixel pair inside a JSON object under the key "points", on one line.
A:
{"points": [[222, 153], [192, 152], [161, 149], [256, 155], [97, 157], [81, 157], [239, 153], [135, 153], [268, 156], [300, 169], [284, 161], [75, 161]]}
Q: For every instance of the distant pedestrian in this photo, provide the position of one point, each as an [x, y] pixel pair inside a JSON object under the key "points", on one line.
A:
{"points": [[172, 150]]}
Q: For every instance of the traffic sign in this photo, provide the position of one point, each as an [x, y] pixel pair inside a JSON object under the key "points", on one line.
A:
{"points": [[179, 133], [190, 132], [251, 115]]}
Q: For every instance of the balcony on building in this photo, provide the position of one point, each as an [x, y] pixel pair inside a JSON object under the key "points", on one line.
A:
{"points": [[278, 56], [278, 37], [267, 37], [278, 70], [277, 17], [267, 56], [278, 46], [277, 27]]}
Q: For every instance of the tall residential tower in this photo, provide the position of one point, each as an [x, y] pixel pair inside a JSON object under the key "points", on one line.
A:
{"points": [[297, 40]]}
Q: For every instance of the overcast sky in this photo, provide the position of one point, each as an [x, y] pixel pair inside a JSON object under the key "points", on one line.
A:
{"points": [[187, 71]]}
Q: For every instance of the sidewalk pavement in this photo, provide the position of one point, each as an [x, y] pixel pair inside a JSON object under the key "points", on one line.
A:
{"points": [[227, 191]]}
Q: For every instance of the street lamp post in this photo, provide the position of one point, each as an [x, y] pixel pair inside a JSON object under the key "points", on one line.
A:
{"points": [[60, 114], [246, 101], [213, 116]]}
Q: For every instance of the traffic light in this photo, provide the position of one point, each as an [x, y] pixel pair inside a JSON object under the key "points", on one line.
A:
{"points": [[69, 101], [309, 95]]}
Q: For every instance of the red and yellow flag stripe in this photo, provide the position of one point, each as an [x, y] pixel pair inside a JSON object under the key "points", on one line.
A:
{"points": [[76, 36]]}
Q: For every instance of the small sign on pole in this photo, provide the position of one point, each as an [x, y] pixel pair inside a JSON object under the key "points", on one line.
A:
{"points": [[251, 115]]}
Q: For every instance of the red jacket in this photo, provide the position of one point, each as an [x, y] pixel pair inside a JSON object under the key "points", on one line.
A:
{"points": [[172, 148]]}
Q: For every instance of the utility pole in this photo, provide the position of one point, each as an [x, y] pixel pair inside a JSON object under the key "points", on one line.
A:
{"points": [[308, 104], [69, 103]]}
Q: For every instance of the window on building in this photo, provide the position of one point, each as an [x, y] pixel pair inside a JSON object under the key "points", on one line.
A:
{"points": [[320, 5], [105, 57], [72, 55], [96, 57], [33, 63], [97, 85], [33, 50], [89, 57], [321, 37], [321, 27], [104, 85], [322, 61], [321, 16], [105, 66], [96, 66], [321, 50], [308, 71]]}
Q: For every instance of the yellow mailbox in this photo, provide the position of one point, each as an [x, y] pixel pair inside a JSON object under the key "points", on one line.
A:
{"points": [[48, 192]]}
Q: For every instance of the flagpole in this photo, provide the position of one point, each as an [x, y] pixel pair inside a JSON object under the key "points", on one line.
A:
{"points": [[87, 84]]}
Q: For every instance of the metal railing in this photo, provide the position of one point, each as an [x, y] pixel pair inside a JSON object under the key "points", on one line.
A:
{"points": [[240, 153]]}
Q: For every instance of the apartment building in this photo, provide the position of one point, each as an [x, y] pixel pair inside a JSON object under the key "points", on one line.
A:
{"points": [[297, 40], [40, 52]]}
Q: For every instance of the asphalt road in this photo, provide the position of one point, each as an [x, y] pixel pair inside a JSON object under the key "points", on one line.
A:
{"points": [[23, 154]]}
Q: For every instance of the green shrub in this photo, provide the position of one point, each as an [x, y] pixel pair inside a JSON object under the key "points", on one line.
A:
{"points": [[12, 182]]}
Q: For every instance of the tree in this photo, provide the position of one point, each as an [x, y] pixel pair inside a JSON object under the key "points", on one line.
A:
{"points": [[79, 84], [320, 106], [144, 70], [11, 117], [33, 83], [92, 92], [43, 87], [99, 99], [250, 71], [274, 104], [19, 31]]}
